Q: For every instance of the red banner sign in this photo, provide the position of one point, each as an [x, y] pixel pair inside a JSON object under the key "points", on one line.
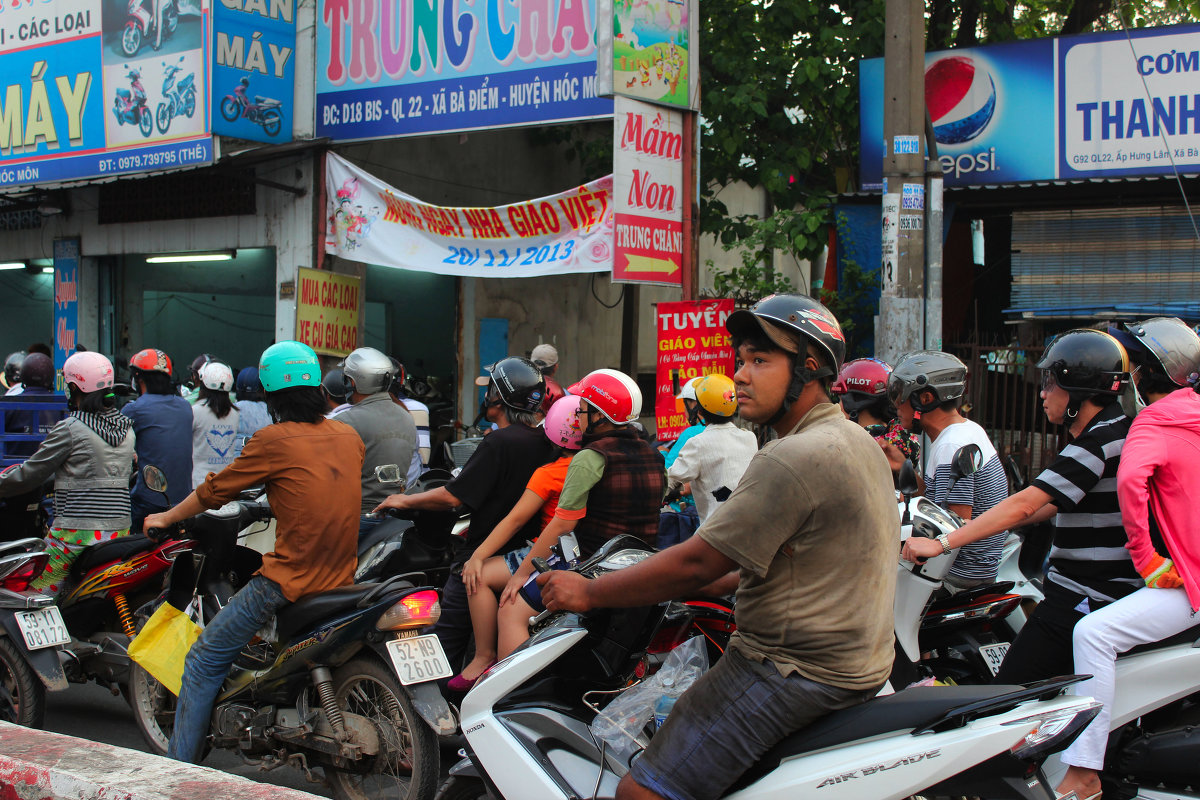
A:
{"points": [[691, 339]]}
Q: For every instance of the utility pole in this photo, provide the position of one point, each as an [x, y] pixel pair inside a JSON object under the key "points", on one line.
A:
{"points": [[901, 304], [934, 181]]}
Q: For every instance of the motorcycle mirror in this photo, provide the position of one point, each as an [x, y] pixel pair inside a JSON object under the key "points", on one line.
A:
{"points": [[154, 478], [967, 460], [389, 474], [907, 480]]}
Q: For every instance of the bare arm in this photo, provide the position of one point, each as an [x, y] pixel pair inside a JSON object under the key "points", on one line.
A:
{"points": [[438, 499], [1005, 515], [186, 508], [528, 505]]}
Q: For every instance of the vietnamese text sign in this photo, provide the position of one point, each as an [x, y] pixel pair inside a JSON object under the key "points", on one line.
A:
{"points": [[327, 311], [66, 300], [648, 50], [84, 94], [254, 67], [433, 66], [648, 193], [369, 221], [691, 339], [1053, 109]]}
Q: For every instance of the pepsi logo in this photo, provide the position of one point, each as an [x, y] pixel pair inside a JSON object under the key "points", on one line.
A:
{"points": [[961, 97]]}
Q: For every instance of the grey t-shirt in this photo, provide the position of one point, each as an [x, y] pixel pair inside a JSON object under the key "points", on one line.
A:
{"points": [[389, 434], [814, 528]]}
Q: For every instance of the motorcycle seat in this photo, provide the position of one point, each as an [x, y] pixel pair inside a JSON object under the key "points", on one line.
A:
{"points": [[905, 710], [307, 610], [123, 93], [115, 550], [265, 102], [1190, 636]]}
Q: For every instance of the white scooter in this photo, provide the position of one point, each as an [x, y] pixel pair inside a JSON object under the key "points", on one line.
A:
{"points": [[527, 720]]}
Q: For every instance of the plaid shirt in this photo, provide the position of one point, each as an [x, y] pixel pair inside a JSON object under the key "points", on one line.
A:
{"points": [[628, 498]]}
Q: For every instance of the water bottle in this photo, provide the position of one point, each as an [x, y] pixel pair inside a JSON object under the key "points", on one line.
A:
{"points": [[664, 704]]}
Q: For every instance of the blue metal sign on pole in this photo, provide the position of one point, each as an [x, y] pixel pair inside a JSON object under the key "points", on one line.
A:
{"points": [[66, 300]]}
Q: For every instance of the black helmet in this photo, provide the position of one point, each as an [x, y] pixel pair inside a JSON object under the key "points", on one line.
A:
{"points": [[517, 382], [334, 385], [796, 313], [927, 370], [1086, 363], [249, 386], [12, 367], [37, 370], [245, 81], [1173, 347]]}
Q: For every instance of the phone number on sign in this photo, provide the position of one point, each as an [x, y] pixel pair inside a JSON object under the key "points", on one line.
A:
{"points": [[468, 256]]}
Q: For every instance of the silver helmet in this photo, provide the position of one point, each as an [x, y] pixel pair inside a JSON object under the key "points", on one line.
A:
{"points": [[367, 371]]}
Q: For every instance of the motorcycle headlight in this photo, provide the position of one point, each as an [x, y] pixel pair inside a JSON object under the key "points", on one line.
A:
{"points": [[940, 516], [624, 558], [1054, 731]]}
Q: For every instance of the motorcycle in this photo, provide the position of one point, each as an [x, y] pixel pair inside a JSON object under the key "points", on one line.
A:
{"points": [[131, 106], [180, 97], [343, 679], [263, 111], [417, 544], [140, 24], [526, 722], [31, 635]]}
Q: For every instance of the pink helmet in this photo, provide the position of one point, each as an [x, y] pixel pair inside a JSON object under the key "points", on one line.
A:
{"points": [[89, 371], [562, 423], [614, 394]]}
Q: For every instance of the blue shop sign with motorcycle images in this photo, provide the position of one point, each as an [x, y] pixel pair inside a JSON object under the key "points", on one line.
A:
{"points": [[102, 87], [254, 46]]}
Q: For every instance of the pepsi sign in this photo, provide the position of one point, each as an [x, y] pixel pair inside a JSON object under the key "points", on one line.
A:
{"points": [[961, 97]]}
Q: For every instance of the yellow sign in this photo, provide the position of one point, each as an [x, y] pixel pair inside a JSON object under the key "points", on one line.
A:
{"points": [[327, 311]]}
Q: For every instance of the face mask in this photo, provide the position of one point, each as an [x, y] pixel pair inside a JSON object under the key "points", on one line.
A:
{"points": [[1131, 400]]}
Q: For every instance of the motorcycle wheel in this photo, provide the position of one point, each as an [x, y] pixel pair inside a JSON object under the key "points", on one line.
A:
{"points": [[146, 123], [163, 117], [153, 709], [230, 109], [271, 121], [172, 18], [460, 787], [407, 769], [189, 107], [22, 695], [131, 40]]}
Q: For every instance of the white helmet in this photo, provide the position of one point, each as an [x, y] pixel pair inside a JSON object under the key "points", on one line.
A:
{"points": [[216, 376]]}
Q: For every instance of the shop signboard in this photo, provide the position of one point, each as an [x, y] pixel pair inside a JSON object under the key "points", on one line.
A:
{"points": [[692, 341], [370, 221], [437, 66], [648, 50], [254, 68], [328, 307], [85, 93], [66, 300], [648, 193], [1096, 105]]}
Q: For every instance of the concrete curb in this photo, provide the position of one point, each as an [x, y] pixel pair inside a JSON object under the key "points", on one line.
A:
{"points": [[36, 765]]}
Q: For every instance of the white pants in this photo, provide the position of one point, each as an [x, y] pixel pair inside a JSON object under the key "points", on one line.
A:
{"points": [[1147, 615]]}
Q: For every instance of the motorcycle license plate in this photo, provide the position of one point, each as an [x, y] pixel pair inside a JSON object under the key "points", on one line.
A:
{"points": [[419, 659], [993, 655], [43, 628]]}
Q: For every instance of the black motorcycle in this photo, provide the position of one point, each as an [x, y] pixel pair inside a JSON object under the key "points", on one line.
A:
{"points": [[32, 633]]}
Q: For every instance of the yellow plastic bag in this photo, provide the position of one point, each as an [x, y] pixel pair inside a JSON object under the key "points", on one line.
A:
{"points": [[163, 643]]}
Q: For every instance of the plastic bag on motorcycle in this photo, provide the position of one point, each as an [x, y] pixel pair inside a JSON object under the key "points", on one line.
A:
{"points": [[621, 724]]}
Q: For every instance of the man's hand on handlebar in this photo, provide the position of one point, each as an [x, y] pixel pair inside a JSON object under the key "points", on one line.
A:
{"points": [[393, 502], [564, 591], [917, 549], [156, 525]]}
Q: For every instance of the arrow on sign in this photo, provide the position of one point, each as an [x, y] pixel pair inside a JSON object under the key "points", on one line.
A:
{"points": [[648, 264]]}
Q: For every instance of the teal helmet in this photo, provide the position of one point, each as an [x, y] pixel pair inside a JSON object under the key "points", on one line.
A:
{"points": [[286, 365]]}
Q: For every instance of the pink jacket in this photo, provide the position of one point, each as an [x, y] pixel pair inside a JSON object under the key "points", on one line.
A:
{"points": [[1159, 474]]}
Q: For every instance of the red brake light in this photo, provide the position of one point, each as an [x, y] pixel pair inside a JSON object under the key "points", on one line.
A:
{"points": [[420, 605], [417, 610], [19, 579]]}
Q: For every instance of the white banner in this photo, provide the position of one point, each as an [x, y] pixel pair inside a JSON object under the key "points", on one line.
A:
{"points": [[374, 223]]}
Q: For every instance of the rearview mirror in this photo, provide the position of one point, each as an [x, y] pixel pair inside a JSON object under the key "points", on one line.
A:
{"points": [[906, 481], [390, 474], [967, 460], [154, 478]]}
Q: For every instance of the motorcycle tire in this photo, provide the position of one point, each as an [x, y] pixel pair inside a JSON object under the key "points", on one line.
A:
{"points": [[461, 787], [172, 18], [272, 121], [230, 109], [189, 106], [22, 694], [408, 765], [131, 40], [153, 709], [163, 117], [146, 123]]}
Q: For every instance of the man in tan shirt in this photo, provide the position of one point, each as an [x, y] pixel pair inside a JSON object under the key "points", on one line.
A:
{"points": [[812, 527], [311, 467]]}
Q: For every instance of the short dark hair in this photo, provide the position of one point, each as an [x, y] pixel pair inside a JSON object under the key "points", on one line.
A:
{"points": [[297, 404], [759, 341], [93, 402], [1153, 381], [711, 418], [155, 382], [215, 399]]}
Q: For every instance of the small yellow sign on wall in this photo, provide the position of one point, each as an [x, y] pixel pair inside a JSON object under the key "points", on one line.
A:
{"points": [[328, 307]]}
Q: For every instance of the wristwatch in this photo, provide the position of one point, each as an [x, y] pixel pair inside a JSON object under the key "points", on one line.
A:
{"points": [[944, 540]]}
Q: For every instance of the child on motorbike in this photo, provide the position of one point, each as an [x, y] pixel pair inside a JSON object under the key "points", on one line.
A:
{"points": [[861, 390], [214, 422], [486, 576], [90, 456]]}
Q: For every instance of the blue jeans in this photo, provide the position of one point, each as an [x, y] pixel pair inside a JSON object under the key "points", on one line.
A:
{"points": [[210, 658]]}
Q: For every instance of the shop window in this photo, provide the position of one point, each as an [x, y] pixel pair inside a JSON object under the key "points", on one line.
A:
{"points": [[180, 195]]}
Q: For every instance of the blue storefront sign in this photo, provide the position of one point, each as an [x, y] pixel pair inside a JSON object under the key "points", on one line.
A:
{"points": [[1052, 109], [400, 69], [254, 68], [89, 88], [66, 299]]}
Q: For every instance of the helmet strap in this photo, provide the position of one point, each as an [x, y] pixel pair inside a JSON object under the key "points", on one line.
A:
{"points": [[801, 377]]}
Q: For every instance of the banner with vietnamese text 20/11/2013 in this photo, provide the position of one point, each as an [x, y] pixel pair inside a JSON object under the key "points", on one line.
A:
{"points": [[372, 222]]}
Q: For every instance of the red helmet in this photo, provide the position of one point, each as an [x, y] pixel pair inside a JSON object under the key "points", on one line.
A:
{"points": [[863, 376], [614, 394], [151, 360]]}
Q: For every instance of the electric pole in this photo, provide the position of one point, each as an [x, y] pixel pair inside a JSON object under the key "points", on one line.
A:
{"points": [[901, 303]]}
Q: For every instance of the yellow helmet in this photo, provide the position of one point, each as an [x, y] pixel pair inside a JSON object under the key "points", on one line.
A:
{"points": [[716, 395]]}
